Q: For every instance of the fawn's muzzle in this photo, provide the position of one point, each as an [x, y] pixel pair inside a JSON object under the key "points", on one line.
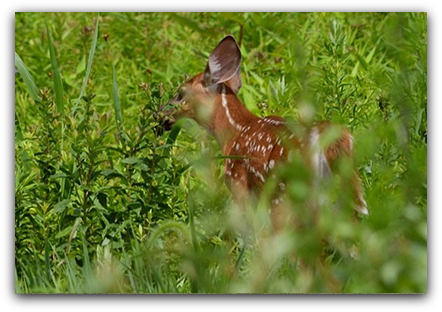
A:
{"points": [[168, 124], [168, 113]]}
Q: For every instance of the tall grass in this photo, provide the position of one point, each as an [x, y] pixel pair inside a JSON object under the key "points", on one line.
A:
{"points": [[27, 78], [58, 84], [113, 204], [89, 66]]}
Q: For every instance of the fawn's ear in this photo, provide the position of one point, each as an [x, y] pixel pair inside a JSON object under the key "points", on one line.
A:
{"points": [[224, 65]]}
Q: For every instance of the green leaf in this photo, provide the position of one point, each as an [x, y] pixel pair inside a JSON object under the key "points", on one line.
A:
{"points": [[61, 206], [81, 66], [75, 227], [173, 135], [370, 55], [258, 79], [87, 270], [19, 138], [171, 139], [361, 60], [47, 263], [59, 175], [27, 78], [132, 161], [117, 105], [355, 70], [64, 232], [111, 173]]}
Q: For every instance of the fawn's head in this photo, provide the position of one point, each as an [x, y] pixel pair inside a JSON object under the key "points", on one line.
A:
{"points": [[196, 97]]}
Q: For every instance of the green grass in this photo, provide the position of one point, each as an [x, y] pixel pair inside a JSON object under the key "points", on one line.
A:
{"points": [[105, 201]]}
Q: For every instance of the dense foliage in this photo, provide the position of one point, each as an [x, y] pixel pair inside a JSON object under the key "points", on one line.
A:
{"points": [[105, 201]]}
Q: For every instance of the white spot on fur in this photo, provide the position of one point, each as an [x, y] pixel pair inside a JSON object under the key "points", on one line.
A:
{"points": [[363, 208], [273, 122], [260, 176], [229, 117], [320, 163], [271, 164]]}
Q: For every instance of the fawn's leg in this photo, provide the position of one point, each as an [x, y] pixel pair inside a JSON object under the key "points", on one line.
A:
{"points": [[342, 148]]}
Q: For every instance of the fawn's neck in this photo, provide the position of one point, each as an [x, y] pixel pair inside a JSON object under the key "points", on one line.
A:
{"points": [[230, 117]]}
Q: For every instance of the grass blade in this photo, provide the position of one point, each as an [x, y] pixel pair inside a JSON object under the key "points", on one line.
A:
{"points": [[171, 139], [19, 134], [19, 138], [89, 65], [173, 135], [117, 105], [58, 84], [47, 263], [27, 78], [87, 270], [18, 289]]}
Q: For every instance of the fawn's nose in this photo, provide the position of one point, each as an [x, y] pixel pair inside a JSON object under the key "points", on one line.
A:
{"points": [[168, 124], [166, 113]]}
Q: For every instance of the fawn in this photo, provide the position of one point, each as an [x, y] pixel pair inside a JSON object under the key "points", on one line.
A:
{"points": [[210, 98]]}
